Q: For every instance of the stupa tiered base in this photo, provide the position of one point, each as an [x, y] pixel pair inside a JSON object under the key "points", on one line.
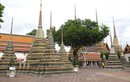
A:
{"points": [[127, 66], [113, 61]]}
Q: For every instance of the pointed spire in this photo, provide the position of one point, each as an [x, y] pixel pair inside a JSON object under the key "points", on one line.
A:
{"points": [[62, 47], [96, 16], [50, 33], [11, 29], [115, 40], [75, 12], [39, 32], [62, 37], [40, 16], [115, 36], [50, 19], [50, 37]]}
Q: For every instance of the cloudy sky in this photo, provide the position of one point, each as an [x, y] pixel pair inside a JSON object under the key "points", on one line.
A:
{"points": [[26, 13]]}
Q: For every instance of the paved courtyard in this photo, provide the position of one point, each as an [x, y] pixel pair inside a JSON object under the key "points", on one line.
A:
{"points": [[89, 74]]}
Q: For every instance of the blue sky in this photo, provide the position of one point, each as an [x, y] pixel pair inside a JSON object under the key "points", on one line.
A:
{"points": [[26, 13]]}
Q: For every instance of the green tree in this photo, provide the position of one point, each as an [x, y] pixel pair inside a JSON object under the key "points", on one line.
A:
{"points": [[33, 32], [1, 12], [79, 33]]}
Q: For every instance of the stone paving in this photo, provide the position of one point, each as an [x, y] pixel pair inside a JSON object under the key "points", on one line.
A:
{"points": [[88, 74]]}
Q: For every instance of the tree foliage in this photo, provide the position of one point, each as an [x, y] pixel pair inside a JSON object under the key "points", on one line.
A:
{"points": [[79, 33], [1, 12], [33, 32]]}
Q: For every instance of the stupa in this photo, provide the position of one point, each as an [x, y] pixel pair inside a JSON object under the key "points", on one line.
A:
{"points": [[43, 59], [113, 60], [63, 54], [8, 59]]}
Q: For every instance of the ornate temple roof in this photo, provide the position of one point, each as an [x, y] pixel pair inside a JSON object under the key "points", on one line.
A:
{"points": [[21, 43], [92, 56], [100, 47]]}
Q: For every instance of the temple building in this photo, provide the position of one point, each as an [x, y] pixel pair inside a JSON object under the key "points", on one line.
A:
{"points": [[21, 43], [91, 55], [42, 58], [8, 58]]}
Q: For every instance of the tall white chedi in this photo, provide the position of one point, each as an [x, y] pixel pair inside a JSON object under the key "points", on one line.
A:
{"points": [[39, 32]]}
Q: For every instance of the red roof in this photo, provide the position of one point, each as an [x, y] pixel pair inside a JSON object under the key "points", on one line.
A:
{"points": [[92, 57]]}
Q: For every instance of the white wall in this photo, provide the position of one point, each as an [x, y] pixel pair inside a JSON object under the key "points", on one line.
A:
{"points": [[18, 55]]}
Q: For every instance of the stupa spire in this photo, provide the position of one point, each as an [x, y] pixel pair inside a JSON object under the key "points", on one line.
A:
{"points": [[40, 15], [11, 29], [97, 19], [115, 36], [50, 37], [50, 33], [115, 40], [62, 47], [96, 16], [50, 19], [62, 37], [39, 32], [75, 12]]}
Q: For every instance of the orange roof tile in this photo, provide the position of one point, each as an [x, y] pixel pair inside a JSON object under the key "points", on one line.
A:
{"points": [[21, 43], [17, 38]]}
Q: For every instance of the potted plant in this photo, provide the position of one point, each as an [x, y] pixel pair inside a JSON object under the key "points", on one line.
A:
{"points": [[76, 66]]}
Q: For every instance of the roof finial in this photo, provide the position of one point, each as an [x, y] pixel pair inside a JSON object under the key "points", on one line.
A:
{"points": [[11, 29], [40, 16], [75, 12]]}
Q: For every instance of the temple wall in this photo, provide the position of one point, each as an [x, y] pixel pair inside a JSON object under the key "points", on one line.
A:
{"points": [[19, 55]]}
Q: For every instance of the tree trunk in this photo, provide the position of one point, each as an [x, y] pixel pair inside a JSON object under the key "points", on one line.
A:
{"points": [[75, 55]]}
